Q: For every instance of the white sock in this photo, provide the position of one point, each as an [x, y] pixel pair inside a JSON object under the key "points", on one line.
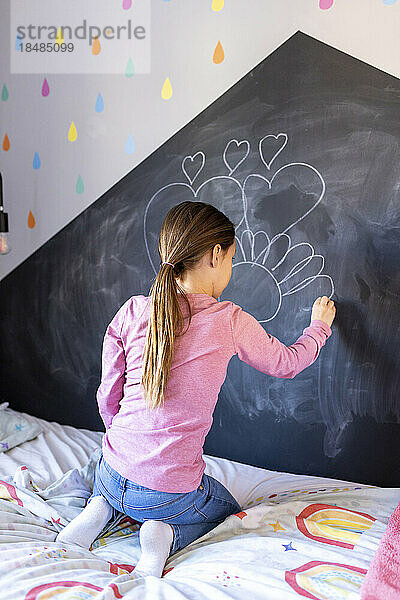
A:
{"points": [[156, 539], [85, 528]]}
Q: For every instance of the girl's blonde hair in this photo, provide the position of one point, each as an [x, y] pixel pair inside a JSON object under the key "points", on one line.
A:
{"points": [[189, 231]]}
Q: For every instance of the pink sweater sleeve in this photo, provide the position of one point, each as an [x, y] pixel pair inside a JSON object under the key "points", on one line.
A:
{"points": [[267, 354], [113, 367]]}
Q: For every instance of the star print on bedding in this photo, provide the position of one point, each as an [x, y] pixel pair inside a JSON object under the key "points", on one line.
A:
{"points": [[318, 546], [15, 428]]}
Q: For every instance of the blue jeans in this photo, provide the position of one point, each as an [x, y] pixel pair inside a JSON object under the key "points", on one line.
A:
{"points": [[190, 514]]}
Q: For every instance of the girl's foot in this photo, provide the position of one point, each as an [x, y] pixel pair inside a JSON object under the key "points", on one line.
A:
{"points": [[85, 528], [156, 538]]}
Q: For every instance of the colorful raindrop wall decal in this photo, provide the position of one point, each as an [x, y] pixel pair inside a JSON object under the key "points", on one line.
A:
{"points": [[6, 143], [45, 88], [18, 43], [96, 47], [129, 71], [166, 91], [36, 161], [126, 4], [79, 185], [72, 133], [130, 145], [31, 220], [218, 56], [217, 5], [325, 4], [59, 37], [99, 104], [4, 93]]}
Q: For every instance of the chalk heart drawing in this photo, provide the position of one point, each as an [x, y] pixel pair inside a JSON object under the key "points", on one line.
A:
{"points": [[282, 204], [267, 147], [194, 164], [231, 148], [270, 266]]}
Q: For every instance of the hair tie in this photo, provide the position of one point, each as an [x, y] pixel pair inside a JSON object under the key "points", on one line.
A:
{"points": [[167, 263]]}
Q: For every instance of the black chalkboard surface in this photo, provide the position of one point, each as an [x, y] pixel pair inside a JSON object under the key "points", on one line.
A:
{"points": [[303, 155]]}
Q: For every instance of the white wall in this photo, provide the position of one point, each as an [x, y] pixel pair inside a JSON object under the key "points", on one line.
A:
{"points": [[184, 34]]}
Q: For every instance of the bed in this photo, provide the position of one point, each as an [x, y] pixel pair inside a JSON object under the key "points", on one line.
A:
{"points": [[296, 536]]}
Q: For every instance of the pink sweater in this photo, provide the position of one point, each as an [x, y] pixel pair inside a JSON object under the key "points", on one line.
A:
{"points": [[162, 449]]}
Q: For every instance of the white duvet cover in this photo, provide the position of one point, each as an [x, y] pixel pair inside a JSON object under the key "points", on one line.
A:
{"points": [[296, 536]]}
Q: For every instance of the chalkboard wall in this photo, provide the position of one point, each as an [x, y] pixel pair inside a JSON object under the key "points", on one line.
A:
{"points": [[303, 155]]}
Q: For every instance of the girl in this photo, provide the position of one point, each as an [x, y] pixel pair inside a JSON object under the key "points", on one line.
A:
{"points": [[164, 360]]}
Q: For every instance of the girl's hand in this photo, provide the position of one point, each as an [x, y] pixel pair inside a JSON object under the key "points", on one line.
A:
{"points": [[324, 310]]}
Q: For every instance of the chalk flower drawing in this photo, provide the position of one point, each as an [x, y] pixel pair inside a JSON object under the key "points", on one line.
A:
{"points": [[263, 261]]}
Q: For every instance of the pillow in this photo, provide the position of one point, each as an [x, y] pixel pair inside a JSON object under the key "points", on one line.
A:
{"points": [[14, 428]]}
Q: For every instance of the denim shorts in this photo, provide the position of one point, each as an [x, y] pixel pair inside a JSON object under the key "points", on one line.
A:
{"points": [[190, 514]]}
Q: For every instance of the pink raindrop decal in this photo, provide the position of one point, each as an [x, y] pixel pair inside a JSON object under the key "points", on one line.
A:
{"points": [[45, 88], [325, 4]]}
